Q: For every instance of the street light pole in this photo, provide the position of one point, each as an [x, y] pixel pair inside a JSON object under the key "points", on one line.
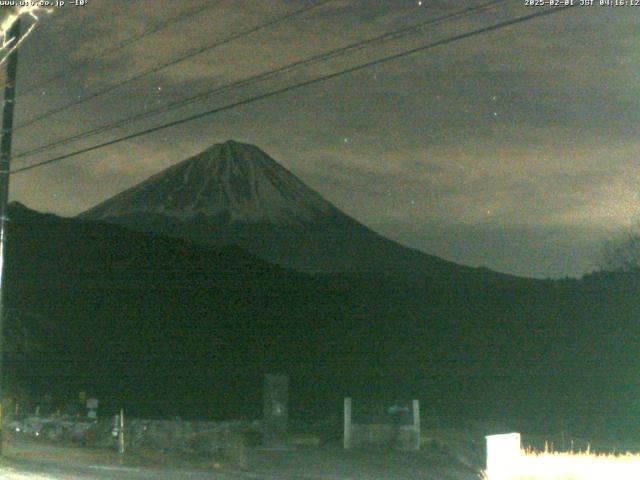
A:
{"points": [[5, 159]]}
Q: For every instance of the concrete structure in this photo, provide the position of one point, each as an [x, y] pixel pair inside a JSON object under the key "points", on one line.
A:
{"points": [[275, 411], [391, 434]]}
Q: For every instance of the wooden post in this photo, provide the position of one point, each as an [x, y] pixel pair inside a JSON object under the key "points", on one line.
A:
{"points": [[121, 432], [5, 160], [416, 422], [347, 423]]}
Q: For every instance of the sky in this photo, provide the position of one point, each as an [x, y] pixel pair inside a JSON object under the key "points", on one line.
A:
{"points": [[516, 149]]}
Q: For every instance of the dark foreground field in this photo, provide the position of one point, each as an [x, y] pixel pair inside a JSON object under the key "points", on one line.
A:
{"points": [[446, 454], [449, 457]]}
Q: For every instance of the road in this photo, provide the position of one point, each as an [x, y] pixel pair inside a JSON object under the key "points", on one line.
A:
{"points": [[12, 470], [31, 460]]}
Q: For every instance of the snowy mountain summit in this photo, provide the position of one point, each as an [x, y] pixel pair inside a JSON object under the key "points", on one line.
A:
{"points": [[235, 194], [233, 182]]}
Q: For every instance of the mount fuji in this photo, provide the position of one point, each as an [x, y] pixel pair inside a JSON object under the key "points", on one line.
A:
{"points": [[235, 194]]}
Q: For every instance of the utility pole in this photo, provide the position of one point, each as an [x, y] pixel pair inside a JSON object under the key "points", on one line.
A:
{"points": [[5, 159]]}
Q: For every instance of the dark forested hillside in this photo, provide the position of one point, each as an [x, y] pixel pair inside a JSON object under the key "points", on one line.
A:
{"points": [[167, 327]]}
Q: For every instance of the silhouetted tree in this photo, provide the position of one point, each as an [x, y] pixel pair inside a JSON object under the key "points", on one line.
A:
{"points": [[622, 253]]}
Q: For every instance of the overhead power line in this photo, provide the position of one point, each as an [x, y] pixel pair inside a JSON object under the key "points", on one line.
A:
{"points": [[397, 56], [64, 73], [393, 35], [180, 59]]}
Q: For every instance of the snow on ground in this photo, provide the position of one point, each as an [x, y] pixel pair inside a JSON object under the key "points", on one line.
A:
{"points": [[573, 466], [12, 474]]}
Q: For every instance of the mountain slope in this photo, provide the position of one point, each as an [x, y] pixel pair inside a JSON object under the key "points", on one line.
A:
{"points": [[132, 316], [234, 193]]}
